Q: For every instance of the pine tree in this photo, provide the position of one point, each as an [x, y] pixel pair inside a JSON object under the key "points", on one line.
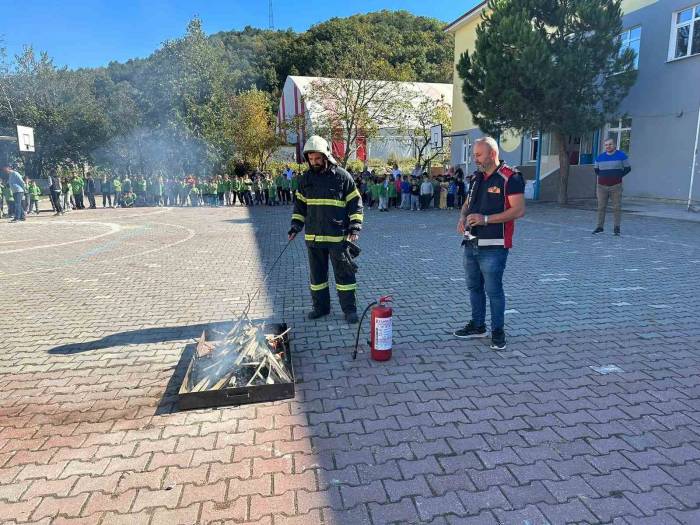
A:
{"points": [[549, 65]]}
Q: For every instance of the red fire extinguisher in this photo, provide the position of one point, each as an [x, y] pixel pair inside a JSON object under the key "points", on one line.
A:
{"points": [[380, 329], [380, 323]]}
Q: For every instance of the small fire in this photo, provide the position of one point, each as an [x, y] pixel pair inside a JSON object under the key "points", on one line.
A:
{"points": [[245, 356]]}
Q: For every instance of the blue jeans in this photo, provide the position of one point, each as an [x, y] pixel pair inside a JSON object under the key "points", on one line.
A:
{"points": [[484, 269], [19, 208]]}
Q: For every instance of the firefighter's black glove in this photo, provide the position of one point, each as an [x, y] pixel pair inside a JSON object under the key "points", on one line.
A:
{"points": [[293, 232], [352, 249], [346, 265], [345, 260]]}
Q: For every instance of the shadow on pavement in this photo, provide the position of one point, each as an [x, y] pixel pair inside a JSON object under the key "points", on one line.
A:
{"points": [[141, 336], [169, 401]]}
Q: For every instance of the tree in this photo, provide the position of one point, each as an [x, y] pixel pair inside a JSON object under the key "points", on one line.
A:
{"points": [[360, 100], [252, 127], [60, 105], [422, 113], [416, 45], [549, 65]]}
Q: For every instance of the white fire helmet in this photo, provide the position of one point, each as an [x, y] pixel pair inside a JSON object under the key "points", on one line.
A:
{"points": [[318, 145]]}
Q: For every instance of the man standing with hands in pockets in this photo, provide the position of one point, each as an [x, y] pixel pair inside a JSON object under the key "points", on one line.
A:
{"points": [[487, 220]]}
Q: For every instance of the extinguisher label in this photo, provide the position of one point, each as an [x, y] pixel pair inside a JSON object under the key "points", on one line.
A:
{"points": [[382, 333]]}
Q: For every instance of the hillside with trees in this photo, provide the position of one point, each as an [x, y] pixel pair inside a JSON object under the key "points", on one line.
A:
{"points": [[176, 110]]}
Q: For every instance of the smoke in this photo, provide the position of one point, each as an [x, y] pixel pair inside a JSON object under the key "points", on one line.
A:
{"points": [[163, 151]]}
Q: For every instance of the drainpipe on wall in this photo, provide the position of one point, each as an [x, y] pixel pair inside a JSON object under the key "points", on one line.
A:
{"points": [[692, 168], [539, 166]]}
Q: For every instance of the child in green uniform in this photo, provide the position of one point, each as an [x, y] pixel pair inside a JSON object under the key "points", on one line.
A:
{"points": [[8, 198], [280, 189], [141, 187], [129, 199], [374, 193], [392, 194], [194, 195], [227, 190], [157, 189], [184, 192], [34, 191], [247, 191], [217, 190], [257, 189], [265, 188], [76, 186], [117, 189], [234, 184], [272, 191], [66, 194]]}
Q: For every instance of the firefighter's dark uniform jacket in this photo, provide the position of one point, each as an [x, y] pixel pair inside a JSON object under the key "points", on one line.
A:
{"points": [[329, 207]]}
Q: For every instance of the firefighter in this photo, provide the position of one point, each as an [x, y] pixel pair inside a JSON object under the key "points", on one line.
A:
{"points": [[329, 205]]}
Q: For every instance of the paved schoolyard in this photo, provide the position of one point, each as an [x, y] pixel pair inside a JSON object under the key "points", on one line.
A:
{"points": [[100, 309]]}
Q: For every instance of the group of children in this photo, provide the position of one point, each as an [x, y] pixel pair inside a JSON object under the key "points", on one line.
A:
{"points": [[220, 190], [391, 190], [394, 190]]}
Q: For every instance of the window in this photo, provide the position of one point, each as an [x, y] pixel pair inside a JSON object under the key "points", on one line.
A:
{"points": [[685, 33], [630, 39], [466, 151], [620, 131], [534, 142]]}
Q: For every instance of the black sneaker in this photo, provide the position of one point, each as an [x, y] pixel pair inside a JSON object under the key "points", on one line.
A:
{"points": [[470, 331], [597, 231], [498, 340], [351, 318], [616, 232], [315, 314]]}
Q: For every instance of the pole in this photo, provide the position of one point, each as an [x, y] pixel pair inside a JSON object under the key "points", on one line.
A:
{"points": [[539, 165], [695, 159]]}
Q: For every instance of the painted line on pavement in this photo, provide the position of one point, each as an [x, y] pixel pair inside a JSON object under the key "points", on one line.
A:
{"points": [[113, 228]]}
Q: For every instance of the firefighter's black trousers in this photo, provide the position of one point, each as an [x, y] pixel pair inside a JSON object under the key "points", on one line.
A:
{"points": [[344, 280]]}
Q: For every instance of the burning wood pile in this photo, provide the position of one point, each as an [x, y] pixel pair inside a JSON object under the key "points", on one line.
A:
{"points": [[245, 356]]}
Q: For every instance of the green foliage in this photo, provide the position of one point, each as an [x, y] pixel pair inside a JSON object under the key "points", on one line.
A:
{"points": [[415, 45], [355, 165], [251, 127], [550, 65]]}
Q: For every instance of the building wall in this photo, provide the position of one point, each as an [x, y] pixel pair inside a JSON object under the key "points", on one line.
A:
{"points": [[462, 122], [465, 39], [291, 105], [388, 144], [663, 106]]}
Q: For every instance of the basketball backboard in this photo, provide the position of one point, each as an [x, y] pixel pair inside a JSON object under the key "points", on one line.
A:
{"points": [[436, 136], [25, 139]]}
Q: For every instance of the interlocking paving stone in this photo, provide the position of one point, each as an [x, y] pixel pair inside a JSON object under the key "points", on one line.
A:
{"points": [[446, 432]]}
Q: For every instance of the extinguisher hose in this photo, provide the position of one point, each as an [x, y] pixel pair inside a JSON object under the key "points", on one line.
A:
{"points": [[359, 327]]}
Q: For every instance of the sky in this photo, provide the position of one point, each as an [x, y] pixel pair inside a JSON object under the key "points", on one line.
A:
{"points": [[90, 33]]}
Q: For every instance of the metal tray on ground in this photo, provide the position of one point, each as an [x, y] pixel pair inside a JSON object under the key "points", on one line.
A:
{"points": [[238, 395]]}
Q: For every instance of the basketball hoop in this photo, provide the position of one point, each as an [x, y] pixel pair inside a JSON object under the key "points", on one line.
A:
{"points": [[25, 139], [436, 137]]}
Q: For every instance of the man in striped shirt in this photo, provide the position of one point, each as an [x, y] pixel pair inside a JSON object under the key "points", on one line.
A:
{"points": [[610, 167]]}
